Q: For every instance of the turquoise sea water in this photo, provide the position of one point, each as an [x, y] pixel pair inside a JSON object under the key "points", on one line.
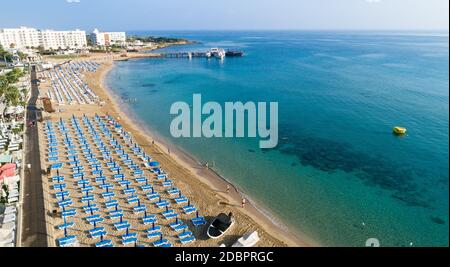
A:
{"points": [[340, 94]]}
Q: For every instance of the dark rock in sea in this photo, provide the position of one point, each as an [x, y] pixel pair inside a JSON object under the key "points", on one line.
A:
{"points": [[438, 220], [251, 151], [374, 170]]}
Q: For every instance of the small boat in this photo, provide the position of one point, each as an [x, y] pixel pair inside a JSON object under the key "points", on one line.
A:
{"points": [[216, 52], [248, 240], [220, 225], [399, 130]]}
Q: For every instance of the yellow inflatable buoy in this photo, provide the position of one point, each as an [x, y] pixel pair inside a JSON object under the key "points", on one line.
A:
{"points": [[399, 130]]}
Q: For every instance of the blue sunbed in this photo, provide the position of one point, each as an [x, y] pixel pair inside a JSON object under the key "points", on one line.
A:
{"points": [[154, 234], [184, 234], [106, 186], [129, 191], [160, 243], [91, 206], [96, 221], [139, 209], [129, 235], [162, 204], [83, 182], [100, 179], [74, 163], [78, 175], [104, 243], [119, 176], [68, 213], [122, 226], [149, 219], [187, 240], [114, 169], [157, 228], [61, 194], [67, 241], [189, 209], [176, 224], [65, 203], [124, 183], [198, 221], [128, 241], [96, 172], [96, 230], [161, 176], [111, 204], [92, 217], [146, 188], [98, 234], [56, 166], [180, 228], [87, 198], [141, 180], [181, 200], [127, 161], [108, 194], [169, 214], [91, 210], [173, 191], [153, 196], [59, 186], [58, 179], [65, 225], [86, 189]]}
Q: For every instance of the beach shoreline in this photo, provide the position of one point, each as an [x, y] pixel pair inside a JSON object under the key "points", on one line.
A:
{"points": [[208, 176], [209, 186]]}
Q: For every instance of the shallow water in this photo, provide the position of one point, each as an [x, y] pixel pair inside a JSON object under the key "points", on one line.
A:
{"points": [[338, 173]]}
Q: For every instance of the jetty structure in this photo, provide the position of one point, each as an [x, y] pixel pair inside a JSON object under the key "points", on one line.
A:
{"points": [[218, 53]]}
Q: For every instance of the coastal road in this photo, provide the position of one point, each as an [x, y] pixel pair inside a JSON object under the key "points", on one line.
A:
{"points": [[33, 233]]}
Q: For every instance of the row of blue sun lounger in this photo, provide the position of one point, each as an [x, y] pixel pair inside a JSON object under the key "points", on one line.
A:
{"points": [[185, 237]]}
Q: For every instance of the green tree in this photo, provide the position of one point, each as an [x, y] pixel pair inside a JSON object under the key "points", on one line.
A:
{"points": [[5, 55]]}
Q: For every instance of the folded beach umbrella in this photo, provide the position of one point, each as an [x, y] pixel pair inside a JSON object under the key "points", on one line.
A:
{"points": [[154, 163]]}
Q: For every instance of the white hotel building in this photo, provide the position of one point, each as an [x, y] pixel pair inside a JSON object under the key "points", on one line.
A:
{"points": [[20, 38], [23, 37], [63, 39], [108, 38]]}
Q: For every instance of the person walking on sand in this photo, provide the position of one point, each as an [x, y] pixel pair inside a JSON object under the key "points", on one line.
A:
{"points": [[243, 202], [228, 188]]}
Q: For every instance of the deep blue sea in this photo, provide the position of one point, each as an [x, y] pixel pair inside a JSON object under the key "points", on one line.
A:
{"points": [[338, 175]]}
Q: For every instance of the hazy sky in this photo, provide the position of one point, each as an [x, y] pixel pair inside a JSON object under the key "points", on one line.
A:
{"points": [[227, 14]]}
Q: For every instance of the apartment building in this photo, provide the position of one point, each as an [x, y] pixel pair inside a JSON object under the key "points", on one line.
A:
{"points": [[108, 38], [23, 37], [63, 39], [20, 38]]}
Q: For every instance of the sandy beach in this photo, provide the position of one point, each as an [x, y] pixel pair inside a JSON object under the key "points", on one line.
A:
{"points": [[203, 186]]}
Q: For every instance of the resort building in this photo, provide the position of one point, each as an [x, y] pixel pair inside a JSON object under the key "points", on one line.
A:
{"points": [[23, 37], [108, 38], [20, 38], [63, 39]]}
